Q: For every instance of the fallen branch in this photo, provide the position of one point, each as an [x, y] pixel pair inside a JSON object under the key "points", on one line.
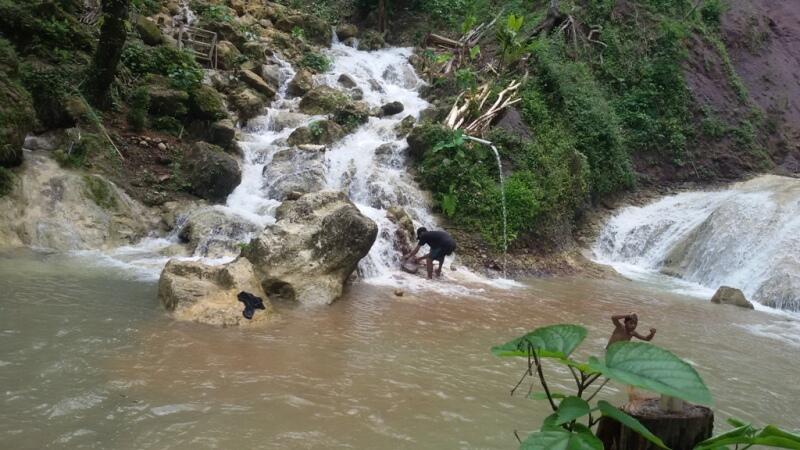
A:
{"points": [[469, 111]]}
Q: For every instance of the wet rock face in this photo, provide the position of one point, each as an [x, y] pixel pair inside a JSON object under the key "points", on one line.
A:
{"points": [[213, 234], [197, 292], [726, 295], [212, 173], [313, 248], [301, 83], [320, 132], [62, 210], [297, 169]]}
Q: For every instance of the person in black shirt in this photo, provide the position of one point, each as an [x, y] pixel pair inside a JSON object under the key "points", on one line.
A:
{"points": [[441, 245]]}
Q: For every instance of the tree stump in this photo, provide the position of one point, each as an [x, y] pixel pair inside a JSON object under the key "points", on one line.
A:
{"points": [[680, 430]]}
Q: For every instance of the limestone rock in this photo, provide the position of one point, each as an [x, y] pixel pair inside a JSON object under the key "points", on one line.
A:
{"points": [[227, 55], [206, 103], [323, 100], [62, 210], [248, 103], [302, 82], [257, 83], [165, 100], [223, 132], [319, 132], [511, 121], [405, 126], [148, 31], [313, 248], [346, 31], [212, 173], [212, 233], [286, 119], [726, 295], [271, 73], [404, 236], [316, 29], [197, 292], [297, 169]]}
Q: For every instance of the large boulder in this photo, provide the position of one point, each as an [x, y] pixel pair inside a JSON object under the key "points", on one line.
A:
{"points": [[297, 169], [148, 31], [198, 292], [302, 82], [256, 82], [212, 233], [166, 100], [312, 249], [371, 40], [404, 235], [60, 209], [391, 108], [346, 31], [212, 173], [227, 55], [314, 28], [222, 133], [726, 295], [320, 132], [248, 103], [206, 103], [323, 100]]}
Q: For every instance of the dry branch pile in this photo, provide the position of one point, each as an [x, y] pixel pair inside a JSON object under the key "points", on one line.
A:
{"points": [[470, 113]]}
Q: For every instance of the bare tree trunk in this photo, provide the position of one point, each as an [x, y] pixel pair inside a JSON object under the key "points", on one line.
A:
{"points": [[108, 53], [382, 16]]}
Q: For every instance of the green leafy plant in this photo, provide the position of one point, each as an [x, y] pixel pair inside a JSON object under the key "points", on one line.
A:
{"points": [[6, 181], [448, 202], [637, 364], [298, 33], [511, 46], [316, 61], [139, 103]]}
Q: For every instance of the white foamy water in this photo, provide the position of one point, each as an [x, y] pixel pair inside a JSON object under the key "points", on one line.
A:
{"points": [[746, 236]]}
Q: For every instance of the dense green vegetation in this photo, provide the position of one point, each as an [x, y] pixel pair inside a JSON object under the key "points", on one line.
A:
{"points": [[591, 106]]}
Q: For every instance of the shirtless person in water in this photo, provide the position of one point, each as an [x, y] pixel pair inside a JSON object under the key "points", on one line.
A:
{"points": [[626, 330]]}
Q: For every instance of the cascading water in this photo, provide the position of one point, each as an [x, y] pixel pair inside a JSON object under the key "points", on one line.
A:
{"points": [[747, 236], [369, 165]]}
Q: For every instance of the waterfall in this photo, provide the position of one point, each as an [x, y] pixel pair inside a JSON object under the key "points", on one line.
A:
{"points": [[746, 236]]}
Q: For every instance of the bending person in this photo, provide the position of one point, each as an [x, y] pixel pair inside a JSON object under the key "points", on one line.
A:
{"points": [[441, 244]]}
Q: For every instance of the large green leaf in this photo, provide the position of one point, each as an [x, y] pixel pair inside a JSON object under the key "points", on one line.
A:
{"points": [[609, 410], [571, 408], [555, 341], [655, 369], [770, 436], [561, 440]]}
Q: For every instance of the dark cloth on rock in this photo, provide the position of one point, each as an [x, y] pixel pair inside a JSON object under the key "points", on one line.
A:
{"points": [[251, 304]]}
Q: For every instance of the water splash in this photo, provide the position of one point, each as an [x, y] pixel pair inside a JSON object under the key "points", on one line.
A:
{"points": [[747, 236]]}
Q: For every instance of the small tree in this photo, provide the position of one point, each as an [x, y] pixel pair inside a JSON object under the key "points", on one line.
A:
{"points": [[109, 50]]}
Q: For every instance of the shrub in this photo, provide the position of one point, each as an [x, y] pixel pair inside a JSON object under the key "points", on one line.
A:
{"points": [[711, 12], [78, 152], [316, 62], [176, 64], [139, 103], [100, 191]]}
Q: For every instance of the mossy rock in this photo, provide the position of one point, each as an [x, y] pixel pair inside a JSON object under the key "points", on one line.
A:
{"points": [[248, 103], [314, 28], [211, 173], [49, 87], [351, 114], [423, 137], [371, 40], [321, 132], [101, 192], [81, 150], [323, 100], [148, 31], [165, 100], [206, 103], [228, 56]]}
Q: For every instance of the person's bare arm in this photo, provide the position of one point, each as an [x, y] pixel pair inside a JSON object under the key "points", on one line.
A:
{"points": [[649, 337], [616, 319], [413, 252]]}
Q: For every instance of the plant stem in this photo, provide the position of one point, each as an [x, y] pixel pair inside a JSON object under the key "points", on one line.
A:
{"points": [[544, 383], [597, 391]]}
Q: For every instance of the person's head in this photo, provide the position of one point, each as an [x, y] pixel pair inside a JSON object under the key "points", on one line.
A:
{"points": [[631, 322], [421, 231]]}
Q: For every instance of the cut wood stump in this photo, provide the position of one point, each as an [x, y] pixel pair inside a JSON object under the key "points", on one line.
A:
{"points": [[680, 430]]}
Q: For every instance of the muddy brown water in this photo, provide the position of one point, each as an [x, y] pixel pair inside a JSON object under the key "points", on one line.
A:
{"points": [[89, 360]]}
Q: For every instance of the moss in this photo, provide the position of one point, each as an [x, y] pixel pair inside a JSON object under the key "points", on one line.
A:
{"points": [[78, 152], [207, 104], [139, 104], [100, 192], [42, 27], [7, 180], [17, 116]]}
